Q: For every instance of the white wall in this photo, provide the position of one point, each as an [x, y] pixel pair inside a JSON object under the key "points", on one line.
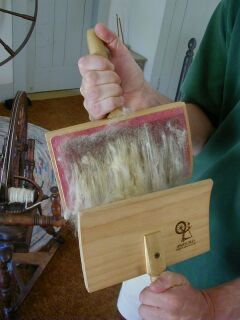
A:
{"points": [[144, 29], [17, 70], [122, 9], [182, 21], [142, 21], [6, 71], [101, 11]]}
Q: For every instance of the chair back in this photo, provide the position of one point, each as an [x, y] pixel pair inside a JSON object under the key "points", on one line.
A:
{"points": [[186, 64]]}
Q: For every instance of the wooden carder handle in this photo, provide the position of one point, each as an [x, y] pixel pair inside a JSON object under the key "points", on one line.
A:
{"points": [[97, 47], [154, 254]]}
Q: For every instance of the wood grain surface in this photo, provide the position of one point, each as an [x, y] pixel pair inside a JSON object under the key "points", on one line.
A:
{"points": [[111, 236]]}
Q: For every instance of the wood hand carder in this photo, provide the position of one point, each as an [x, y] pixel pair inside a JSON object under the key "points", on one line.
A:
{"points": [[72, 144], [110, 174]]}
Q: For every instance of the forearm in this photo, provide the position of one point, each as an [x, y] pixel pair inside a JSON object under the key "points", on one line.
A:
{"points": [[226, 300], [200, 126]]}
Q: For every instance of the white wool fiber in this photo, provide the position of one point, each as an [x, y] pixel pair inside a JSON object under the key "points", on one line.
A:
{"points": [[120, 163]]}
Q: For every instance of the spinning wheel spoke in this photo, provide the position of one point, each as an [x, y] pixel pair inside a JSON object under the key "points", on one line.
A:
{"points": [[7, 48], [32, 19], [24, 16]]}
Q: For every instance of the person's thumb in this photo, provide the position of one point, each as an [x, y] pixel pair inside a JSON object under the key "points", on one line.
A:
{"points": [[168, 280], [110, 39]]}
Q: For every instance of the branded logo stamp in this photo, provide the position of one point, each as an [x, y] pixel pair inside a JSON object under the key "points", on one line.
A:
{"points": [[183, 228]]}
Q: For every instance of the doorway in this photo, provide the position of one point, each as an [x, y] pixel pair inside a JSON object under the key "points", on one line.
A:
{"points": [[49, 61], [182, 21]]}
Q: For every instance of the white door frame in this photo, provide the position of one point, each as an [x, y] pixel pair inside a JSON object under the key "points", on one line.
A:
{"points": [[180, 23], [168, 23], [20, 70]]}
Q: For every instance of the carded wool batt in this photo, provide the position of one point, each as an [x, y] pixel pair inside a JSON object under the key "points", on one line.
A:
{"points": [[121, 162]]}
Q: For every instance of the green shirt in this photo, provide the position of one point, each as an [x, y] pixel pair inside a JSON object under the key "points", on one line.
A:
{"points": [[213, 83]]}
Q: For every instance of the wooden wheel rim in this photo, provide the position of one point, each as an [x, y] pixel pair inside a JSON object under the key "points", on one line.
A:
{"points": [[13, 53]]}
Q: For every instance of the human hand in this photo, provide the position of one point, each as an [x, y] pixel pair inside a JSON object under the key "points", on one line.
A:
{"points": [[106, 84], [171, 297]]}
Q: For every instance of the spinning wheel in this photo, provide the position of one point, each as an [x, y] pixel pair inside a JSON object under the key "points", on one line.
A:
{"points": [[181, 227], [18, 164], [32, 19], [18, 211], [13, 163]]}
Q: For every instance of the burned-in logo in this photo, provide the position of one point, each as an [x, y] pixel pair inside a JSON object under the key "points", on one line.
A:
{"points": [[184, 229]]}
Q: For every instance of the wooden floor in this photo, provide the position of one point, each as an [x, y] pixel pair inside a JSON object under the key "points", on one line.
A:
{"points": [[55, 113], [53, 94], [60, 294]]}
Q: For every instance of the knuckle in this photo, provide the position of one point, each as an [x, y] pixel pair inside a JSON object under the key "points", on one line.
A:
{"points": [[81, 64], [91, 94], [94, 93], [141, 310], [167, 278], [85, 104], [93, 109], [85, 86], [113, 77], [142, 295], [117, 78], [112, 103], [91, 77], [81, 91], [120, 90], [107, 65], [100, 63]]}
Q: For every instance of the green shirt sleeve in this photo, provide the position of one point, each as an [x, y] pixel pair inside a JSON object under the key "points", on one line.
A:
{"points": [[213, 83]]}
